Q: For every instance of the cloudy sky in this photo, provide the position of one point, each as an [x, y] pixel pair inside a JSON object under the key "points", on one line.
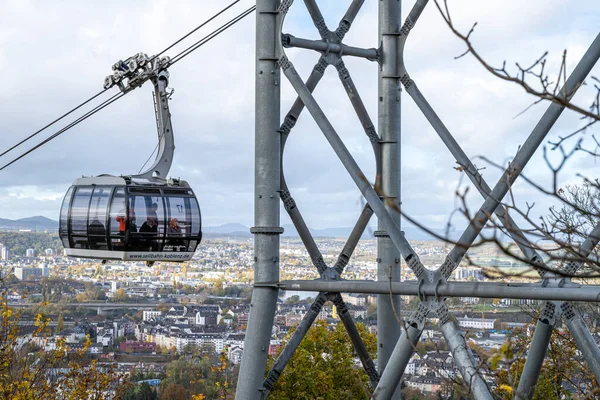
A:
{"points": [[53, 55]]}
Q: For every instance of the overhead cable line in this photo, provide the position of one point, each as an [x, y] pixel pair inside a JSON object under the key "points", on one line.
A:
{"points": [[53, 122], [66, 128], [212, 35], [196, 28], [149, 157], [101, 92]]}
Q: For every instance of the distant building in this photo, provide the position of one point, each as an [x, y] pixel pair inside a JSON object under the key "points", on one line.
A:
{"points": [[468, 273], [150, 315], [207, 315], [234, 354], [49, 252], [30, 253], [476, 323], [137, 347], [355, 299], [96, 348], [24, 273], [105, 338], [4, 252], [426, 384], [274, 347]]}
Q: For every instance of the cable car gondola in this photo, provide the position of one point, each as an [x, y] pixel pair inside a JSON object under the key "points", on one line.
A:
{"points": [[142, 217]]}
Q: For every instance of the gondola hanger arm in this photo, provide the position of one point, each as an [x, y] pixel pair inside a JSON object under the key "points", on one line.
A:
{"points": [[133, 73]]}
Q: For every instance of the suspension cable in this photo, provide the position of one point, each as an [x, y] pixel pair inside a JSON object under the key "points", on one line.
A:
{"points": [[196, 28], [212, 35], [66, 128], [53, 122], [103, 91]]}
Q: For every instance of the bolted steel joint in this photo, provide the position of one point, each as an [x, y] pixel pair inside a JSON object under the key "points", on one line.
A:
{"points": [[372, 373], [338, 302], [415, 265], [321, 65], [319, 263], [548, 314], [272, 377], [342, 29], [341, 263], [372, 134], [567, 310], [571, 268], [407, 27], [447, 267], [406, 81], [318, 304], [322, 27], [285, 5], [419, 316], [342, 70], [284, 63], [288, 201], [288, 123], [442, 313]]}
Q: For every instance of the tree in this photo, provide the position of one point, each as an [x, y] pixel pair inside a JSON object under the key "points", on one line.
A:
{"points": [[120, 295], [174, 392], [179, 372], [118, 340], [411, 393], [293, 299], [29, 374], [146, 392], [60, 324], [323, 366]]}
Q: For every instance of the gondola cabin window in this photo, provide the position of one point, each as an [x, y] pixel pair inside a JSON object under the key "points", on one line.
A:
{"points": [[129, 222]]}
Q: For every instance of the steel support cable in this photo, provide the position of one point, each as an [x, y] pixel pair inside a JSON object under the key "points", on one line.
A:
{"points": [[53, 122], [195, 29], [149, 157], [180, 56], [69, 126], [98, 94], [212, 35]]}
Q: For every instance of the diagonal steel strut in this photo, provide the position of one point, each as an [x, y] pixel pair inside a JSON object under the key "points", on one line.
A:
{"points": [[545, 325], [315, 309], [493, 200], [543, 328], [304, 232], [455, 148]]}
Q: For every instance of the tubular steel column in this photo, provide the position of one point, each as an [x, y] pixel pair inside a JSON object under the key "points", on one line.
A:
{"points": [[266, 208], [388, 256], [582, 336], [535, 357]]}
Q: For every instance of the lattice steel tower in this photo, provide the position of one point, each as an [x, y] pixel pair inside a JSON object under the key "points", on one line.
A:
{"points": [[395, 345]]}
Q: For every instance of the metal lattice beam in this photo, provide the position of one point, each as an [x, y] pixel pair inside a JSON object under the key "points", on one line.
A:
{"points": [[431, 287]]}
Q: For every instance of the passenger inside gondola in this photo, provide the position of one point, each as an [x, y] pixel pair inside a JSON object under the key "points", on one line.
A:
{"points": [[174, 233], [152, 213], [126, 227], [149, 229]]}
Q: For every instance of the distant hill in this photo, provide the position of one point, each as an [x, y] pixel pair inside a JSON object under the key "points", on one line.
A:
{"points": [[37, 223], [240, 230], [226, 229], [40, 223]]}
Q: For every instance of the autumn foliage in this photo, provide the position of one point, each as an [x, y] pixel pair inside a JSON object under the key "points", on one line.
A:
{"points": [[34, 365]]}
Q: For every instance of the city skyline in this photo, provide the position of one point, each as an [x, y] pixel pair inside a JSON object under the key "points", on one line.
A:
{"points": [[213, 102]]}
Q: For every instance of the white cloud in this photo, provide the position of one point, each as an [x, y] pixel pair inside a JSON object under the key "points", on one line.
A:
{"points": [[56, 55]]}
